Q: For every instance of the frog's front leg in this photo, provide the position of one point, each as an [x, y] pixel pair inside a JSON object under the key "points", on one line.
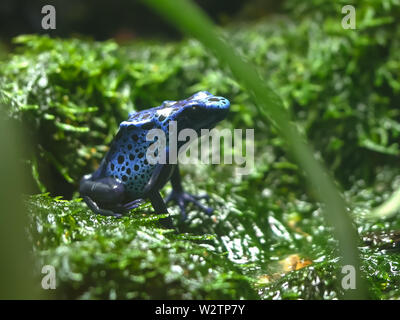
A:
{"points": [[182, 198], [160, 176], [104, 196]]}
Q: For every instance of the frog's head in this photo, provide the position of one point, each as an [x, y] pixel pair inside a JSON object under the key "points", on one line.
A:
{"points": [[201, 111]]}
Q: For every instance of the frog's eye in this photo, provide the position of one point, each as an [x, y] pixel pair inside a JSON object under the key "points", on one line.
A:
{"points": [[195, 112]]}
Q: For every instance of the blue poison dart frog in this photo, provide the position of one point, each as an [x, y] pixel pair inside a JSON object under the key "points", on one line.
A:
{"points": [[125, 177]]}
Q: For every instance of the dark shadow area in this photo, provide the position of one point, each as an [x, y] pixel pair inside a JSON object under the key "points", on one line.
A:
{"points": [[119, 19]]}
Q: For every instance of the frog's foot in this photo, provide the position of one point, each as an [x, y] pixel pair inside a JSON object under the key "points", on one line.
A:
{"points": [[133, 204], [96, 209], [182, 198]]}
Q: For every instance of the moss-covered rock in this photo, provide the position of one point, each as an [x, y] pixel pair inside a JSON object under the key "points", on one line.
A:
{"points": [[342, 86], [106, 258]]}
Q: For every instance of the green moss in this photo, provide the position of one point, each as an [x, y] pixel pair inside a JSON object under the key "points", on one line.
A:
{"points": [[342, 86], [100, 257]]}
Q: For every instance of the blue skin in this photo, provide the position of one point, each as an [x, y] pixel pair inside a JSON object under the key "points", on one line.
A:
{"points": [[125, 178]]}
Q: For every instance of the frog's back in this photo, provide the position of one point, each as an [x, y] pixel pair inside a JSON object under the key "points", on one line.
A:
{"points": [[126, 159]]}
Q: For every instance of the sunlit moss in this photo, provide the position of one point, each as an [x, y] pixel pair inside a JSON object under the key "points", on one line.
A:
{"points": [[341, 85]]}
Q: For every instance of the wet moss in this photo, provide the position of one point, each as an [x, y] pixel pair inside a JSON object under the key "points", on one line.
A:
{"points": [[341, 86]]}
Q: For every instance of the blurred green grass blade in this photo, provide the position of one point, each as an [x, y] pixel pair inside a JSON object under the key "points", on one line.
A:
{"points": [[52, 159], [36, 176], [190, 19], [70, 128], [386, 209], [17, 270]]}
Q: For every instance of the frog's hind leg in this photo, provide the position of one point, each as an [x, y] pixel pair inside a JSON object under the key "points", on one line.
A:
{"points": [[102, 195], [96, 209]]}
